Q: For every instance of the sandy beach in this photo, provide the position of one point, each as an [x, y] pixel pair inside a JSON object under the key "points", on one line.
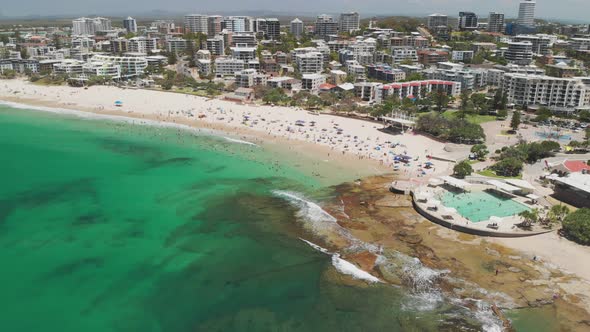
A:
{"points": [[352, 138]]}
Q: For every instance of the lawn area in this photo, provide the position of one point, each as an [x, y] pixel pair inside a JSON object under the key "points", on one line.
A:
{"points": [[475, 119], [491, 174]]}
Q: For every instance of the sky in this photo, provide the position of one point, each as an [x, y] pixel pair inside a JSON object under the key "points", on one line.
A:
{"points": [[562, 9]]}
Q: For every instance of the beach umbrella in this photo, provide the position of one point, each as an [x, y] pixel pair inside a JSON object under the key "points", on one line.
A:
{"points": [[428, 163], [118, 102]]}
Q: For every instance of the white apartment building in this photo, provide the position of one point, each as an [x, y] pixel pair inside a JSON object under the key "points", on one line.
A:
{"points": [[69, 67], [526, 13], [312, 82], [89, 26], [103, 69], [83, 42], [196, 23], [228, 66], [142, 45], [402, 54], [558, 94], [580, 44], [519, 52], [243, 53], [540, 44], [176, 45], [310, 63], [415, 89], [130, 66], [130, 24], [296, 28], [204, 66], [495, 77], [248, 78], [349, 22], [237, 24], [203, 55], [216, 46]]}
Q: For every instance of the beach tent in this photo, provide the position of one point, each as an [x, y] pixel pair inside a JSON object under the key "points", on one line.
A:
{"points": [[118, 103]]}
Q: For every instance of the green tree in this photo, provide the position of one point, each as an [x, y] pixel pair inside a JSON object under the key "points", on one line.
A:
{"points": [[576, 226], [172, 58], [515, 121], [462, 169], [508, 167], [529, 217], [441, 100], [542, 114], [480, 151], [558, 213]]}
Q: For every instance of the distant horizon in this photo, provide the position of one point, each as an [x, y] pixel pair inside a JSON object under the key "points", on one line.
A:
{"points": [[574, 11], [155, 13]]}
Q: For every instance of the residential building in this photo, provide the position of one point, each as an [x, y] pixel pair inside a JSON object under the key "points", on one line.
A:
{"points": [[130, 24], [312, 82], [131, 66], [580, 44], [163, 26], [436, 20], [366, 91], [216, 46], [228, 66], [69, 67], [557, 94], [349, 22], [269, 28], [430, 57], [561, 70], [284, 82], [83, 42], [204, 67], [244, 40], [416, 89], [175, 45], [196, 23], [496, 22], [404, 54], [526, 13], [462, 55], [104, 69], [237, 24], [243, 53], [520, 53], [297, 28], [337, 76], [310, 63], [248, 78], [203, 55], [214, 25], [540, 44], [467, 21], [325, 26], [90, 26], [483, 46], [385, 73]]}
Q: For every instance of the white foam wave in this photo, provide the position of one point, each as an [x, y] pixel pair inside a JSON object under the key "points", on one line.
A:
{"points": [[307, 209], [239, 141], [315, 246], [346, 267], [124, 119]]}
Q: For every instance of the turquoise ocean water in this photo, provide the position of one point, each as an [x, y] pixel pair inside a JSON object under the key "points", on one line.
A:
{"points": [[109, 226]]}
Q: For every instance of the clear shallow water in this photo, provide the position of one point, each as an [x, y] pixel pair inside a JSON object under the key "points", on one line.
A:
{"points": [[108, 226], [554, 135], [480, 206]]}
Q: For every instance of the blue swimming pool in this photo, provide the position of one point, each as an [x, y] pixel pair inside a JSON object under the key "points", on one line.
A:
{"points": [[480, 206]]}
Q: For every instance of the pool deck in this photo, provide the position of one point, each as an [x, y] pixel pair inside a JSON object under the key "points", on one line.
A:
{"points": [[506, 228]]}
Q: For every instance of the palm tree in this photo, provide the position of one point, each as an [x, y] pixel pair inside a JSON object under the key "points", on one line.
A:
{"points": [[558, 213], [530, 217]]}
